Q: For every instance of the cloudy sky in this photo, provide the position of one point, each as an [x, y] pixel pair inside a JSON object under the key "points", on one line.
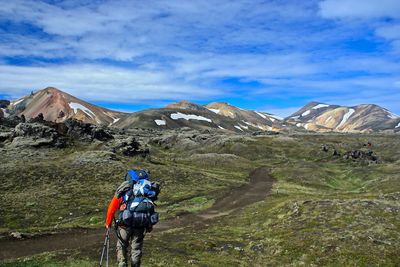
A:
{"points": [[272, 56]]}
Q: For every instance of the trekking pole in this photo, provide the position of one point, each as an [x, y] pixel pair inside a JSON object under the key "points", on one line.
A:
{"points": [[108, 248], [104, 248]]}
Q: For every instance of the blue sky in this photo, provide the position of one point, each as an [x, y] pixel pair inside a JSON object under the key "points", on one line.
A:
{"points": [[272, 56]]}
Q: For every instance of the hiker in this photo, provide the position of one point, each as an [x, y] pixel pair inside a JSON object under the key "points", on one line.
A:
{"points": [[134, 199]]}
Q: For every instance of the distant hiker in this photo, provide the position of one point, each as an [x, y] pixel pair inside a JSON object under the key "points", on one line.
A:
{"points": [[134, 199]]}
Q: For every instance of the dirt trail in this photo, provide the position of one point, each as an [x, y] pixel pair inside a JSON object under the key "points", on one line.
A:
{"points": [[257, 189]]}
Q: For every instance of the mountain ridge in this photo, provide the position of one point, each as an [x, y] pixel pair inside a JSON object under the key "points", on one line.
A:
{"points": [[58, 106], [322, 117]]}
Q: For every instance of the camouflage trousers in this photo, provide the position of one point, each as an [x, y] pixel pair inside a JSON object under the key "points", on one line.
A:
{"points": [[132, 237]]}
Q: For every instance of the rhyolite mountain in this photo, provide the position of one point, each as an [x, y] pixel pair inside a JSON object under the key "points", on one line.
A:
{"points": [[57, 106], [322, 117], [259, 120], [187, 114]]}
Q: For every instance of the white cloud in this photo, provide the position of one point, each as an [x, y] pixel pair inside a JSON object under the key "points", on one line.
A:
{"points": [[101, 83], [183, 49]]}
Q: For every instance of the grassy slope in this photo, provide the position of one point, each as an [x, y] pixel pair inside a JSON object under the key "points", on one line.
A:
{"points": [[322, 211]]}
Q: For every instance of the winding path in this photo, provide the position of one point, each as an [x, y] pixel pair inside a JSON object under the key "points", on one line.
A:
{"points": [[257, 189]]}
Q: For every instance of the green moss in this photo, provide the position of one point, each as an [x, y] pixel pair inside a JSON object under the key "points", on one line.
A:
{"points": [[322, 211]]}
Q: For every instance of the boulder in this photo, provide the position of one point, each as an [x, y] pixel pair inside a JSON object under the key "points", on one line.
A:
{"points": [[5, 136], [86, 131], [36, 130], [36, 135], [16, 235], [11, 121], [129, 147], [39, 118], [361, 155]]}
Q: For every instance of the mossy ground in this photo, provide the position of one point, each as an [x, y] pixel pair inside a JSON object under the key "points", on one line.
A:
{"points": [[322, 211]]}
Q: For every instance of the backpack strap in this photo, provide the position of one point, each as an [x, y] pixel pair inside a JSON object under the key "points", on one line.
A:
{"points": [[123, 189]]}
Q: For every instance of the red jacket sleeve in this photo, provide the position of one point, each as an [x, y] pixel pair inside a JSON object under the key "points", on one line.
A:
{"points": [[112, 208]]}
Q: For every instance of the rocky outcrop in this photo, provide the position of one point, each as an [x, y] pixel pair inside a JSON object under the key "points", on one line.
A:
{"points": [[11, 121], [86, 131], [36, 135], [128, 147], [5, 136], [361, 155]]}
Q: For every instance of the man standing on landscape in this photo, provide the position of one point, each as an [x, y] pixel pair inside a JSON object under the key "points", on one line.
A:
{"points": [[134, 199]]}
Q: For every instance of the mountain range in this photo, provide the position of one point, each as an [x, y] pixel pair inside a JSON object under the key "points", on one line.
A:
{"points": [[56, 105]]}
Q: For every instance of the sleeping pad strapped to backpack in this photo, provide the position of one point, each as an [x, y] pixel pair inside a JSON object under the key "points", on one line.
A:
{"points": [[138, 202]]}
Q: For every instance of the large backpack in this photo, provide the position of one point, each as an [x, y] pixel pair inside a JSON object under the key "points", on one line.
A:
{"points": [[138, 201]]}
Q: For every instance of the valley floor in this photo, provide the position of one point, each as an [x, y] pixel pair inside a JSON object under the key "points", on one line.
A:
{"points": [[323, 210]]}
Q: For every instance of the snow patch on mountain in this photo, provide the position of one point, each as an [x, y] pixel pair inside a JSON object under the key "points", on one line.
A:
{"points": [[298, 124], [275, 117], [76, 106], [214, 110], [222, 128], [305, 113], [238, 127], [160, 122], [392, 115], [320, 106], [6, 115], [244, 127], [306, 126], [115, 120], [346, 117], [17, 102], [178, 115], [398, 126], [261, 115]]}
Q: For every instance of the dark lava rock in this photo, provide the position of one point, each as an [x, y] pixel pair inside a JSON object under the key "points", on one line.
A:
{"points": [[36, 135], [129, 147], [39, 118], [260, 133], [5, 136], [86, 131], [11, 121], [361, 155], [335, 153], [257, 248]]}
